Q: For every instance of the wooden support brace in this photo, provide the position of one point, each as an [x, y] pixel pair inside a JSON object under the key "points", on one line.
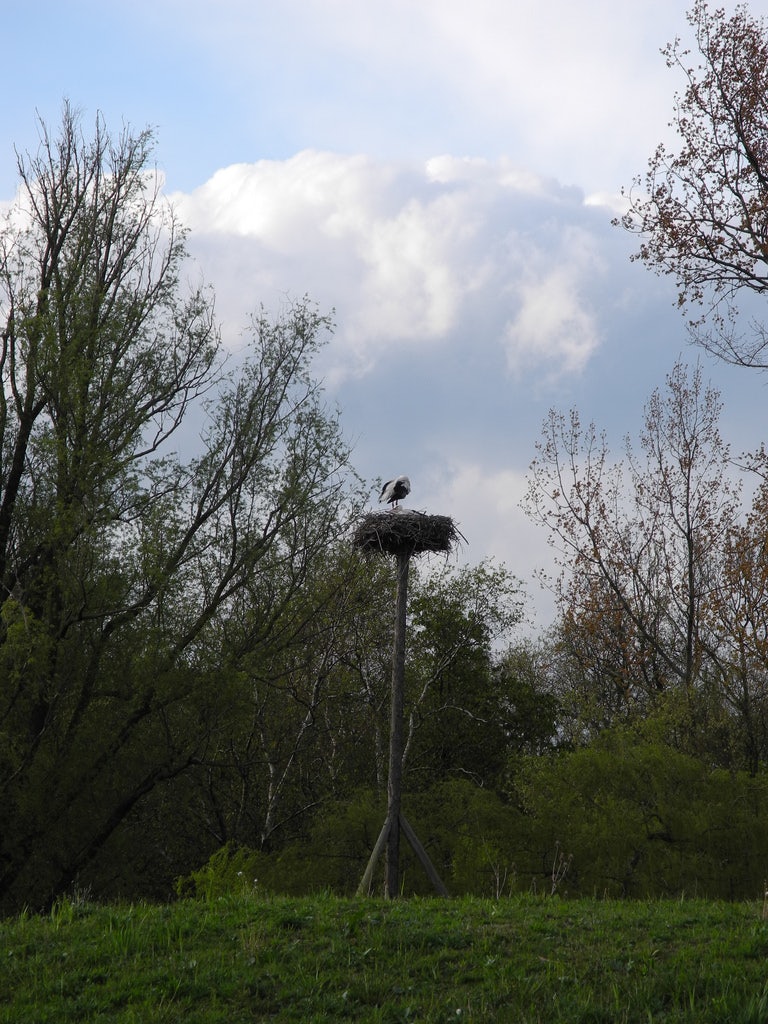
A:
{"points": [[364, 889], [423, 856]]}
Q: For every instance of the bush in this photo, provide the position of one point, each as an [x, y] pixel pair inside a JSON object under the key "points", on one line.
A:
{"points": [[232, 870], [641, 819]]}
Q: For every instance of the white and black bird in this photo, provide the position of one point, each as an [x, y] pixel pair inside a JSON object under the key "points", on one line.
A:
{"points": [[395, 490]]}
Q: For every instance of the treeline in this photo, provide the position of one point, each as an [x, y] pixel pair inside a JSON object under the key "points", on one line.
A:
{"points": [[624, 817], [195, 662], [623, 753]]}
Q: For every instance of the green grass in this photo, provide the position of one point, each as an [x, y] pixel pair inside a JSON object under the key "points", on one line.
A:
{"points": [[324, 959]]}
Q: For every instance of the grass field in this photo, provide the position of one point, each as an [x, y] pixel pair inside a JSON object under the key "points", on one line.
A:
{"points": [[522, 959]]}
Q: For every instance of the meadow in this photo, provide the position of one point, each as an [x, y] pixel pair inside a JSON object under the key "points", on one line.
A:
{"points": [[521, 959]]}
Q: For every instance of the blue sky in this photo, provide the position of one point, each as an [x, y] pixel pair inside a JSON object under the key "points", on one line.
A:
{"points": [[441, 173]]}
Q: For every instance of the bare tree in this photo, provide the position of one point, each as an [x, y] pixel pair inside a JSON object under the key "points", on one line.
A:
{"points": [[639, 539]]}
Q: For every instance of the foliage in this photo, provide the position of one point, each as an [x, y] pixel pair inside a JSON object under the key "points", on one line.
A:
{"points": [[700, 211], [641, 819], [454, 703], [467, 831], [122, 567], [739, 624], [531, 714], [629, 815], [302, 724], [316, 959], [195, 661], [231, 871], [700, 215]]}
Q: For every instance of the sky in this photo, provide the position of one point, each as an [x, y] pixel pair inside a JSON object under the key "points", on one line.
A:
{"points": [[442, 175]]}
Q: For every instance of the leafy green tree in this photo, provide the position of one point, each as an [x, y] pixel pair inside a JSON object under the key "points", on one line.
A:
{"points": [[312, 726], [529, 708], [121, 565], [308, 725], [454, 710], [308, 746], [699, 213], [739, 624]]}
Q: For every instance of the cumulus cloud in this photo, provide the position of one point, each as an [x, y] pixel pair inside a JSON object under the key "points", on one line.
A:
{"points": [[408, 255], [469, 295], [412, 166], [551, 326], [555, 324]]}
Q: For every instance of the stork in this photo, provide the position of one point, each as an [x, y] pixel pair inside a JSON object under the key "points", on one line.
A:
{"points": [[395, 490]]}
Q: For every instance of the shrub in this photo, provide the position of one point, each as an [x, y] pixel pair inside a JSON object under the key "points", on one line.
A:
{"points": [[642, 819], [231, 870]]}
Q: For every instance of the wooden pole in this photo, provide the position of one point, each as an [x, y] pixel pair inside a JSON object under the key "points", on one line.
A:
{"points": [[395, 784], [382, 533]]}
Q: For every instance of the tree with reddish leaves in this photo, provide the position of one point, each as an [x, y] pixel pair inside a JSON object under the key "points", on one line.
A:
{"points": [[701, 211], [739, 627]]}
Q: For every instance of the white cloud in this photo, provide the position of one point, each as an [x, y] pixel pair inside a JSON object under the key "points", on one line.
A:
{"points": [[408, 255], [556, 325], [551, 326], [279, 201], [469, 295], [503, 172], [473, 284], [416, 275]]}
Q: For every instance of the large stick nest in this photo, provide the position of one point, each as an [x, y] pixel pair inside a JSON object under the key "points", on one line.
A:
{"points": [[404, 532]]}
